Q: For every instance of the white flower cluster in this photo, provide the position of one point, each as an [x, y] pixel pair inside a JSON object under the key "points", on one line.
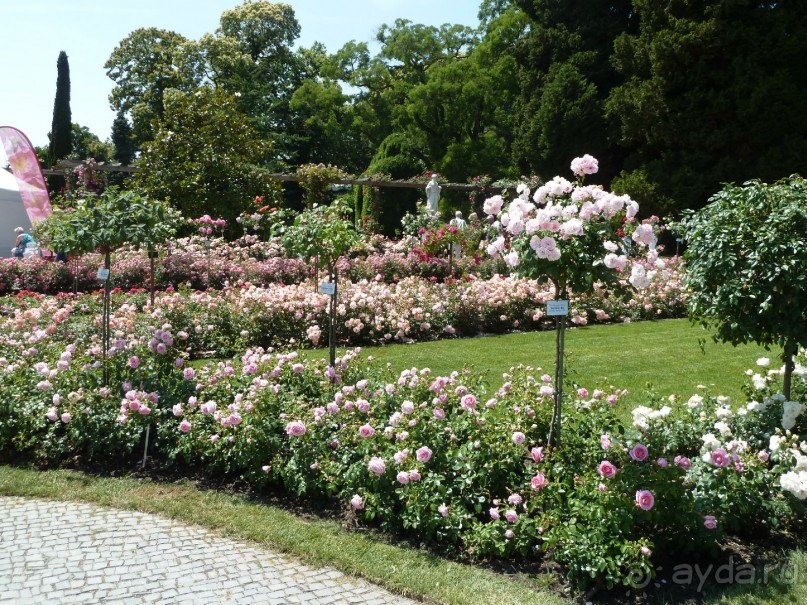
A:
{"points": [[643, 416], [790, 411], [795, 481]]}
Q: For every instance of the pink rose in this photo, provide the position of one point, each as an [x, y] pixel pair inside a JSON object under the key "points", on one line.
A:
{"points": [[639, 452], [518, 437], [515, 499], [494, 513], [295, 429], [511, 516], [402, 477], [537, 454], [185, 426], [414, 476], [423, 454], [356, 502], [443, 510], [709, 522], [538, 482], [606, 469], [684, 462], [720, 458], [439, 413], [468, 402], [66, 417], [377, 466], [605, 442], [366, 431], [645, 499]]}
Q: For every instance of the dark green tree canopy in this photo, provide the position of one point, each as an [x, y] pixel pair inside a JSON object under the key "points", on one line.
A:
{"points": [[61, 142]]}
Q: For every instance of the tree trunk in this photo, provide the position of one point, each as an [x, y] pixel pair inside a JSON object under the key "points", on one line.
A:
{"points": [[332, 326], [105, 319]]}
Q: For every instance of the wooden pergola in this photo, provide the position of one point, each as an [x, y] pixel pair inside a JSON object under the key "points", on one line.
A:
{"points": [[65, 165]]}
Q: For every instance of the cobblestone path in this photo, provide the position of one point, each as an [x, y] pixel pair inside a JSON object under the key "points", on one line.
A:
{"points": [[58, 553]]}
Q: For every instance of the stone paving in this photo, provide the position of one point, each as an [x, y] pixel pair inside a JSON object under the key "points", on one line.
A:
{"points": [[64, 553]]}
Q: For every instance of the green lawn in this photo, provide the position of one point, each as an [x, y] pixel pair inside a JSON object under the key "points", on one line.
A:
{"points": [[665, 355]]}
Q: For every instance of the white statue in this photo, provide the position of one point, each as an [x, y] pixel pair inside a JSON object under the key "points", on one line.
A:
{"points": [[433, 194]]}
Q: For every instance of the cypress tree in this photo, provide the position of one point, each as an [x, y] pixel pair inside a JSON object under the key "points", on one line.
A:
{"points": [[61, 135], [122, 140]]}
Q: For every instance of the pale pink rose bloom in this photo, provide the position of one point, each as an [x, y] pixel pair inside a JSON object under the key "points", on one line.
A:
{"points": [[365, 431], [185, 426], [709, 522], [265, 468], [537, 454], [582, 393], [297, 368], [443, 510], [662, 462], [601, 487], [423, 454], [538, 482], [720, 458], [494, 513], [356, 502], [376, 466], [606, 469], [645, 499], [514, 499], [188, 373], [134, 361], [214, 438], [509, 534], [402, 477], [584, 165], [645, 551], [407, 407], [468, 402], [683, 462], [493, 205], [511, 515], [763, 456], [295, 428], [639, 452], [414, 476], [518, 437], [52, 415], [177, 410], [66, 417], [605, 442]]}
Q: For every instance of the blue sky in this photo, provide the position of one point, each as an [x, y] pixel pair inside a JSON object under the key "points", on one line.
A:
{"points": [[33, 32]]}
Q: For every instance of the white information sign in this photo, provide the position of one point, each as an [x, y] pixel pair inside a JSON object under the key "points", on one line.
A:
{"points": [[103, 274], [557, 307], [328, 288]]}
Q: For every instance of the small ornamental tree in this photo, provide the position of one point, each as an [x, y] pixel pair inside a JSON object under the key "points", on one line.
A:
{"points": [[746, 265], [105, 223], [572, 235], [325, 233]]}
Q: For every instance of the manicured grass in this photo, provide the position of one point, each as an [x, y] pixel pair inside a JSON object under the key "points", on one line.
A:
{"points": [[664, 355], [402, 570]]}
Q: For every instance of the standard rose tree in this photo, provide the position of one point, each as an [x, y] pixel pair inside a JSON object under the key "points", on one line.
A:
{"points": [[573, 235]]}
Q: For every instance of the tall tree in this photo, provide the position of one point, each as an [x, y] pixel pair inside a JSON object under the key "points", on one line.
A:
{"points": [[566, 78], [713, 92], [122, 140], [87, 145], [203, 155], [146, 64], [61, 141]]}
